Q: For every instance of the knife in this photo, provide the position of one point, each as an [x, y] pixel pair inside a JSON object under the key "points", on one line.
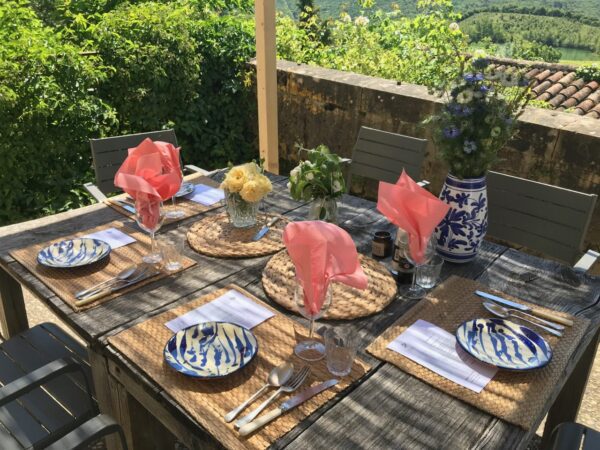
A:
{"points": [[126, 206], [520, 307], [286, 406], [264, 230], [103, 292]]}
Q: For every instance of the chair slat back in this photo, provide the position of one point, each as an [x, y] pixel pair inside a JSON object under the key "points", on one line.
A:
{"points": [[382, 155], [540, 216], [109, 153]]}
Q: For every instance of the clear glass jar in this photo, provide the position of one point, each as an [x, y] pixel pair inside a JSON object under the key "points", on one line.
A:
{"points": [[242, 214], [325, 209]]}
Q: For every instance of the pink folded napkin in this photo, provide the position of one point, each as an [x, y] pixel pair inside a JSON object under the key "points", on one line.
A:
{"points": [[322, 252], [150, 174], [412, 208]]}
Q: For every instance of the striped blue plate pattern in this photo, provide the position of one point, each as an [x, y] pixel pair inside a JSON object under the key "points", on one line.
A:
{"points": [[211, 349], [73, 253], [185, 189], [504, 344]]}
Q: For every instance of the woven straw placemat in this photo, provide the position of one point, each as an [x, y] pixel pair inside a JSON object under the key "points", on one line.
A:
{"points": [[209, 400], [66, 282], [517, 397], [278, 279], [189, 207], [215, 236]]}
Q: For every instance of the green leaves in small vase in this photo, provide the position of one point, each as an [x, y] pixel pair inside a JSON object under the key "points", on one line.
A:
{"points": [[320, 176]]}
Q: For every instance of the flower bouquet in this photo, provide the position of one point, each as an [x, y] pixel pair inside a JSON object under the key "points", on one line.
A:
{"points": [[245, 186], [319, 179]]}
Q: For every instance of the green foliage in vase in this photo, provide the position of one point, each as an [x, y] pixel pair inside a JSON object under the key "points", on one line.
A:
{"points": [[427, 49], [589, 72], [479, 116], [48, 111], [320, 176]]}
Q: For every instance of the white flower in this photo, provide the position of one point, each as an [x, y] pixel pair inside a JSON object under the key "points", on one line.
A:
{"points": [[289, 185], [464, 96], [337, 186], [345, 17], [493, 75], [307, 164], [310, 176], [361, 21], [454, 26], [295, 171], [479, 54], [509, 79]]}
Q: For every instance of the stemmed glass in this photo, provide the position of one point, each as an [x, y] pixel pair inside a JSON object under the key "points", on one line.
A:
{"points": [[310, 349], [414, 291], [176, 213], [150, 216]]}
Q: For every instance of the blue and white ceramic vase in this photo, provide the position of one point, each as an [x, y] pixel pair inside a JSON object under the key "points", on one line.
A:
{"points": [[461, 232]]}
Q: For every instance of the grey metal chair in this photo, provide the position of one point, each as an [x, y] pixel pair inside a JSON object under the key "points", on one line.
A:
{"points": [[46, 396], [570, 435], [109, 153], [540, 216], [381, 155]]}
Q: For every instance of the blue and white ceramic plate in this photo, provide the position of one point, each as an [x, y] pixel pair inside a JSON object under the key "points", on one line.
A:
{"points": [[73, 253], [504, 344], [185, 189], [211, 349]]}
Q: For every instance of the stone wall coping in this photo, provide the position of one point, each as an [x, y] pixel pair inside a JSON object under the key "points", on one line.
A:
{"points": [[564, 121]]}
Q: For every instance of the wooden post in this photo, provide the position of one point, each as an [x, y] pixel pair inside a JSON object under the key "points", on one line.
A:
{"points": [[266, 83]]}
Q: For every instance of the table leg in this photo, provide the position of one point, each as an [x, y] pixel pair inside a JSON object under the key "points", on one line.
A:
{"points": [[13, 316], [567, 404]]}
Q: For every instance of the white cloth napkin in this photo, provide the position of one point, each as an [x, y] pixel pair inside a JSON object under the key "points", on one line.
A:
{"points": [[232, 306], [113, 237], [436, 349], [206, 195]]}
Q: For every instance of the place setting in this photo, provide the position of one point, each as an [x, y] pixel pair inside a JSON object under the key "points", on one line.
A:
{"points": [[243, 230], [246, 372], [195, 193]]}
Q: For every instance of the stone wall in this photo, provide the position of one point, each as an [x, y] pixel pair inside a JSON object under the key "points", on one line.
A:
{"points": [[327, 106]]}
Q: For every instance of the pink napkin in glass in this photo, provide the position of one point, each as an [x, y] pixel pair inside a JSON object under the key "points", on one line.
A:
{"points": [[150, 174], [412, 208], [322, 252]]}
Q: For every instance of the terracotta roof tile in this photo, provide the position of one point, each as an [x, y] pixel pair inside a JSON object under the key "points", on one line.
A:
{"points": [[558, 85]]}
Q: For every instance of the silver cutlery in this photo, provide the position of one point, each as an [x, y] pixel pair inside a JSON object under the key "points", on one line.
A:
{"points": [[286, 406], [511, 312], [140, 271], [103, 292], [290, 386], [536, 312], [278, 376], [502, 312], [264, 230], [121, 276]]}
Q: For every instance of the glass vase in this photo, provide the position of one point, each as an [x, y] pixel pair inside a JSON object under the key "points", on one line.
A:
{"points": [[324, 208], [242, 214]]}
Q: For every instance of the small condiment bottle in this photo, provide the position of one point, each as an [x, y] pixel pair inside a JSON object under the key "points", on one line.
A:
{"points": [[400, 264], [382, 245]]}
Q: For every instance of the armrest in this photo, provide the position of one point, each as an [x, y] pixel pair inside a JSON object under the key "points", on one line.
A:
{"points": [[36, 378], [586, 261], [95, 192], [193, 168], [88, 433]]}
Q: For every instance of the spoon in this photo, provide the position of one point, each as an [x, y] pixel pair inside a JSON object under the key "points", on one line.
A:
{"points": [[278, 376], [504, 313], [121, 276]]}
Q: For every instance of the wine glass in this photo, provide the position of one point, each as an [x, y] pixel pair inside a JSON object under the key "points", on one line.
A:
{"points": [[414, 291], [310, 349], [175, 213], [149, 215]]}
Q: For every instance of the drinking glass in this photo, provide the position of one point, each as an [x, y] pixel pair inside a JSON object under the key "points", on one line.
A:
{"points": [[414, 291], [149, 215], [171, 247], [341, 344], [428, 274], [310, 349]]}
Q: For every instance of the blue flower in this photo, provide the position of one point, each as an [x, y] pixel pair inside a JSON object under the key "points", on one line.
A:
{"points": [[469, 147], [470, 78], [451, 132], [484, 89]]}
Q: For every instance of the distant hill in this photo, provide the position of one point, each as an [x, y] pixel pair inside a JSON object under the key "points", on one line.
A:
{"points": [[582, 8]]}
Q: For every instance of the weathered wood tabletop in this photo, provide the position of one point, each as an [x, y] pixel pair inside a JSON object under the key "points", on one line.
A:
{"points": [[387, 409]]}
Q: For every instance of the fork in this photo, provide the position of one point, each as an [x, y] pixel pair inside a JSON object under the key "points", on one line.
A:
{"points": [[290, 386]]}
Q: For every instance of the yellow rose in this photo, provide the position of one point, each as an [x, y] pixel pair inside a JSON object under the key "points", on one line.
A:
{"points": [[235, 179], [251, 169], [264, 184], [251, 192]]}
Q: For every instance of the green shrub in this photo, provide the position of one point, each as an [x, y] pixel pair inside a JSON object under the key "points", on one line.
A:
{"points": [[48, 111], [589, 72]]}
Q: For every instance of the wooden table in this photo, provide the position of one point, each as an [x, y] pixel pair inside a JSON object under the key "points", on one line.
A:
{"points": [[387, 409]]}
